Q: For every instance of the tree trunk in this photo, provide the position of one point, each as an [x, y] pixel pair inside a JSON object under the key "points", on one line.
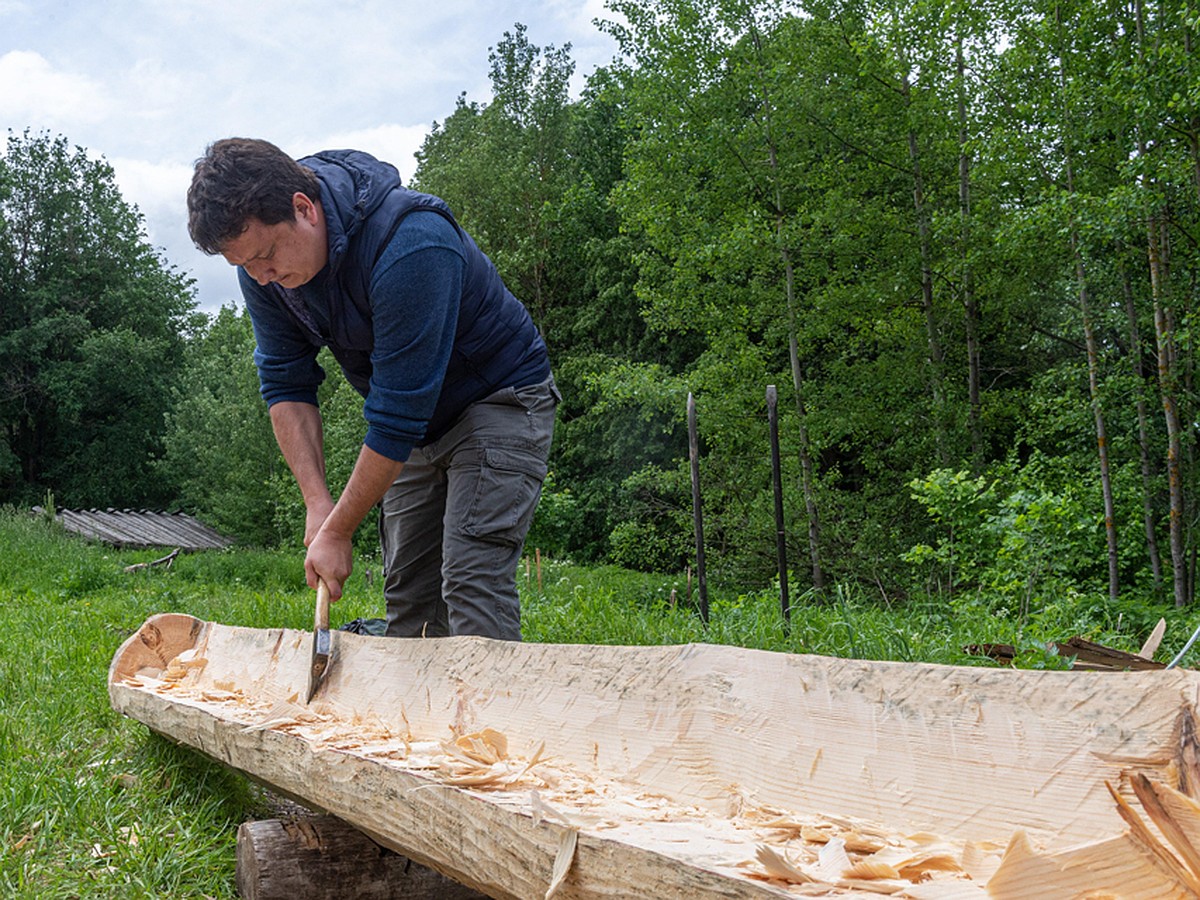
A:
{"points": [[652, 771], [323, 858], [1139, 371], [1165, 340], [1157, 253], [936, 356], [1093, 352], [970, 306], [808, 481], [806, 466], [1093, 357]]}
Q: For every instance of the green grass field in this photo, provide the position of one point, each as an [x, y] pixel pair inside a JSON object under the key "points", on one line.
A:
{"points": [[94, 805]]}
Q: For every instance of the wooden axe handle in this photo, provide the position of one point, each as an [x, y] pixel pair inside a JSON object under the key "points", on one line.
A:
{"points": [[322, 617]]}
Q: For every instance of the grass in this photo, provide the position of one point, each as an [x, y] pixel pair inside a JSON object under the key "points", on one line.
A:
{"points": [[93, 805], [605, 605]]}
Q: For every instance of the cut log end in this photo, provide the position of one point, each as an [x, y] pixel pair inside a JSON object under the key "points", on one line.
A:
{"points": [[323, 858]]}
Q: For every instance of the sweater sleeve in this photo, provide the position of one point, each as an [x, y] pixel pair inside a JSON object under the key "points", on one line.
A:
{"points": [[416, 288], [286, 359]]}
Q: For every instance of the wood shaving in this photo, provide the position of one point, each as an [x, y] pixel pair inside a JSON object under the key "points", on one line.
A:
{"points": [[562, 861], [779, 866]]}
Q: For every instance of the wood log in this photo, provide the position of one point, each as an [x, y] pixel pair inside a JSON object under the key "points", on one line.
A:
{"points": [[161, 561], [324, 858], [1088, 655], [527, 770]]}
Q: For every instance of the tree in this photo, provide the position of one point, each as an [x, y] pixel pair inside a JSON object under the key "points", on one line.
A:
{"points": [[504, 167], [711, 185], [221, 458], [529, 174], [90, 317]]}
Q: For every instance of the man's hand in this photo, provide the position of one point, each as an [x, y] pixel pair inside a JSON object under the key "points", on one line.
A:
{"points": [[330, 558], [330, 554]]}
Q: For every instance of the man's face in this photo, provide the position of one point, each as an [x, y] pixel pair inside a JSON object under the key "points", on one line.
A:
{"points": [[288, 253]]}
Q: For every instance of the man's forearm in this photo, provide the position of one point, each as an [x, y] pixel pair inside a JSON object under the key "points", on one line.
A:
{"points": [[372, 476], [299, 434], [330, 554]]}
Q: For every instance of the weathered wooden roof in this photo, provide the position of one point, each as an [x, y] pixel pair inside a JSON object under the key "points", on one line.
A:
{"points": [[141, 528]]}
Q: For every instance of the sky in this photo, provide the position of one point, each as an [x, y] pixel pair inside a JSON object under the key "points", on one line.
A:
{"points": [[148, 84]]}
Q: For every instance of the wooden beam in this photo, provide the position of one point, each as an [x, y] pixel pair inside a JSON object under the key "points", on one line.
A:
{"points": [[523, 770], [324, 858]]}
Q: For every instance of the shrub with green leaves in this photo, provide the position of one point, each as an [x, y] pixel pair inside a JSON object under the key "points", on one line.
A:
{"points": [[1008, 537]]}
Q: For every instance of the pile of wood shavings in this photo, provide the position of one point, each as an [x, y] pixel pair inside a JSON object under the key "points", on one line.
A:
{"points": [[811, 857], [480, 760], [825, 856]]}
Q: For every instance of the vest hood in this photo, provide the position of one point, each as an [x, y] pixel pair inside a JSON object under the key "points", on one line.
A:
{"points": [[353, 185]]}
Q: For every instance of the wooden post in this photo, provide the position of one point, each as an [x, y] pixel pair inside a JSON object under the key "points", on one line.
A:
{"points": [[777, 480], [697, 515], [537, 554], [324, 858]]}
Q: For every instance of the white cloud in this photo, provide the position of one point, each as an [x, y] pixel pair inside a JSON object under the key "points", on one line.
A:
{"points": [[41, 97], [160, 192], [393, 143], [156, 188], [149, 84]]}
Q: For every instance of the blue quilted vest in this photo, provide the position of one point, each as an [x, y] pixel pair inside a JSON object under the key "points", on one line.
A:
{"points": [[495, 345]]}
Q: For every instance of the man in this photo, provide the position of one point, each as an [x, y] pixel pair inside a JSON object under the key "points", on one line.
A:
{"points": [[332, 251]]}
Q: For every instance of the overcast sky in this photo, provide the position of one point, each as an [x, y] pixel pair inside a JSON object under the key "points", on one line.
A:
{"points": [[148, 85]]}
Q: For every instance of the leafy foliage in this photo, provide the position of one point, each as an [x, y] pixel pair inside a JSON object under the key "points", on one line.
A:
{"points": [[958, 237], [221, 455], [90, 322]]}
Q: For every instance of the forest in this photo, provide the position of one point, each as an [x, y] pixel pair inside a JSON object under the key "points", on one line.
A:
{"points": [[960, 238]]}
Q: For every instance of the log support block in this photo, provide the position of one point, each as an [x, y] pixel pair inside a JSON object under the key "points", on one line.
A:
{"points": [[323, 858]]}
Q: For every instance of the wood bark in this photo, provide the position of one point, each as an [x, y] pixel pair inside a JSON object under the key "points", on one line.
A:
{"points": [[1093, 360], [1165, 339], [1157, 256], [1089, 335], [324, 858], [969, 301], [1143, 419], [685, 771], [697, 505], [785, 605], [807, 478]]}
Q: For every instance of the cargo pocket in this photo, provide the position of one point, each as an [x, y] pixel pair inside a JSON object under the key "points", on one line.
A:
{"points": [[506, 494]]}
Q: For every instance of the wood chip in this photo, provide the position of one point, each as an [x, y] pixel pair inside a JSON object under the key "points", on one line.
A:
{"points": [[780, 867], [562, 861]]}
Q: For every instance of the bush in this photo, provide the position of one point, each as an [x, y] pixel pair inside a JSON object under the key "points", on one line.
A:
{"points": [[1011, 538]]}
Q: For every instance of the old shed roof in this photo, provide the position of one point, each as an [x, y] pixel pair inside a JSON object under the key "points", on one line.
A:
{"points": [[141, 528]]}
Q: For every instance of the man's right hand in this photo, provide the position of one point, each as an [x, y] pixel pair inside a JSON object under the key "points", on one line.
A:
{"points": [[329, 559]]}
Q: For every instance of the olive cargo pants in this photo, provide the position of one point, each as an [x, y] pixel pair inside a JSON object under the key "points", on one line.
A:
{"points": [[453, 524]]}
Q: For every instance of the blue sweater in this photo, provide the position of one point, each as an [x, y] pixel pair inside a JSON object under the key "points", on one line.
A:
{"points": [[413, 311]]}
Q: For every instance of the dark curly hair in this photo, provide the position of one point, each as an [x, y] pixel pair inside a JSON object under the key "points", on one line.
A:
{"points": [[239, 179]]}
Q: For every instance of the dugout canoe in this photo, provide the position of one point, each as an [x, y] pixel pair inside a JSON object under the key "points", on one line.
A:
{"points": [[530, 770]]}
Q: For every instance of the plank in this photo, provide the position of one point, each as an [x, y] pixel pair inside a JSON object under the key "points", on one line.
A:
{"points": [[669, 768]]}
